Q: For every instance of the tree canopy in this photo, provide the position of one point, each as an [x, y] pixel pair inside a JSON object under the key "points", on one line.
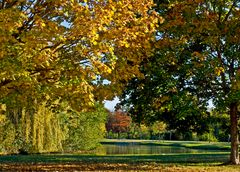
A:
{"points": [[118, 122], [65, 55], [197, 50], [59, 49]]}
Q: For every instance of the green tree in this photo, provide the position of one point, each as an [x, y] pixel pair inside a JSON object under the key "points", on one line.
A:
{"points": [[199, 45], [161, 96], [158, 128], [204, 32], [37, 130]]}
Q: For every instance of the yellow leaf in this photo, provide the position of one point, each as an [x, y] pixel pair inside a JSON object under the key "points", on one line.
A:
{"points": [[130, 6], [109, 70], [42, 24], [127, 45], [219, 70]]}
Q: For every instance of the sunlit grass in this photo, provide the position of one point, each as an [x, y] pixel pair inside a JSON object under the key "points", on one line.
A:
{"points": [[186, 144], [213, 159]]}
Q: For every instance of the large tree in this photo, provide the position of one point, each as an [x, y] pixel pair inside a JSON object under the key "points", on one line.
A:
{"points": [[62, 50], [58, 48], [199, 45], [160, 95]]}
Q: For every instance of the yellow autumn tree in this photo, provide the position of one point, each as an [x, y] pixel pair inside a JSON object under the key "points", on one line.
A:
{"points": [[57, 48], [62, 50]]}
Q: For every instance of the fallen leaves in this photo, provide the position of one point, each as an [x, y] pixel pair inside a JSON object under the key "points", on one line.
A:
{"points": [[113, 167]]}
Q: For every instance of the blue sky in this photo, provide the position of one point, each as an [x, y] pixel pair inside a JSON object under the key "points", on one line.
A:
{"points": [[111, 104]]}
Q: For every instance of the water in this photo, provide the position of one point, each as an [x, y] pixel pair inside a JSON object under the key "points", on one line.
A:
{"points": [[134, 148]]}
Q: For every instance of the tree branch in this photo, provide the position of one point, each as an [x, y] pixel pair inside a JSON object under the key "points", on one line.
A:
{"points": [[3, 4], [5, 82], [230, 11]]}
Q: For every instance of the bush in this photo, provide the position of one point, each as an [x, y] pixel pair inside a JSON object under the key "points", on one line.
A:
{"points": [[86, 129], [208, 137], [223, 137]]}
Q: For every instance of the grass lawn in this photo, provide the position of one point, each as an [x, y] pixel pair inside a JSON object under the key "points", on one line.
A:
{"points": [[207, 161], [188, 144]]}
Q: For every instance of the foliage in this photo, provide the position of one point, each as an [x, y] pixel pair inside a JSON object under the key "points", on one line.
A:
{"points": [[118, 122], [133, 130], [160, 96], [85, 129], [7, 136], [158, 127], [208, 137], [60, 52], [198, 45], [202, 43], [220, 126], [38, 130], [54, 132], [56, 49]]}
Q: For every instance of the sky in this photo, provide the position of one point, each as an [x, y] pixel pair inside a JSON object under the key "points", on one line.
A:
{"points": [[111, 104]]}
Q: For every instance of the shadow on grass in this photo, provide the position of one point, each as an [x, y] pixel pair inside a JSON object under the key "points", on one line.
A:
{"points": [[73, 158]]}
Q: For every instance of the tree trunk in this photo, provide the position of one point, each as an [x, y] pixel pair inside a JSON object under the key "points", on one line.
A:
{"points": [[234, 157]]}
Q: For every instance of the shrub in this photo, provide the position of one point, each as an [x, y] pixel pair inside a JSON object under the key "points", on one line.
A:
{"points": [[85, 129], [208, 137]]}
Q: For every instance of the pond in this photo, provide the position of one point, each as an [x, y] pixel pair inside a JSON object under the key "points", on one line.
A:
{"points": [[136, 148]]}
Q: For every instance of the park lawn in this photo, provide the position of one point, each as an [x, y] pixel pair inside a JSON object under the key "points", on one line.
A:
{"points": [[206, 161], [187, 144], [74, 162]]}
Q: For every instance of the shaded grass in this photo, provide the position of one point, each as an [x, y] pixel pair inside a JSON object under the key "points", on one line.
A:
{"points": [[117, 167], [212, 160], [209, 158], [68, 162], [219, 154]]}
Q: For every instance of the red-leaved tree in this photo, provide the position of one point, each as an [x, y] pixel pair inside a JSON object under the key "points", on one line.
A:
{"points": [[118, 122]]}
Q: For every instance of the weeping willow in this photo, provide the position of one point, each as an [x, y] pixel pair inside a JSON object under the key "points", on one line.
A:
{"points": [[7, 135], [33, 130], [37, 128], [42, 130]]}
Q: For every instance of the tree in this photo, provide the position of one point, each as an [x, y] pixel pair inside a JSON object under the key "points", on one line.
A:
{"points": [[205, 32], [63, 50], [85, 130], [118, 122], [158, 127], [54, 48], [161, 96], [37, 130], [198, 43]]}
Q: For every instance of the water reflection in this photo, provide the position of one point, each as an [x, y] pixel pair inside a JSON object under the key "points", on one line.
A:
{"points": [[108, 149]]}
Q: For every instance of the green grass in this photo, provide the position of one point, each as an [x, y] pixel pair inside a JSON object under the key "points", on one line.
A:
{"points": [[205, 161], [209, 158], [216, 146], [215, 153]]}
